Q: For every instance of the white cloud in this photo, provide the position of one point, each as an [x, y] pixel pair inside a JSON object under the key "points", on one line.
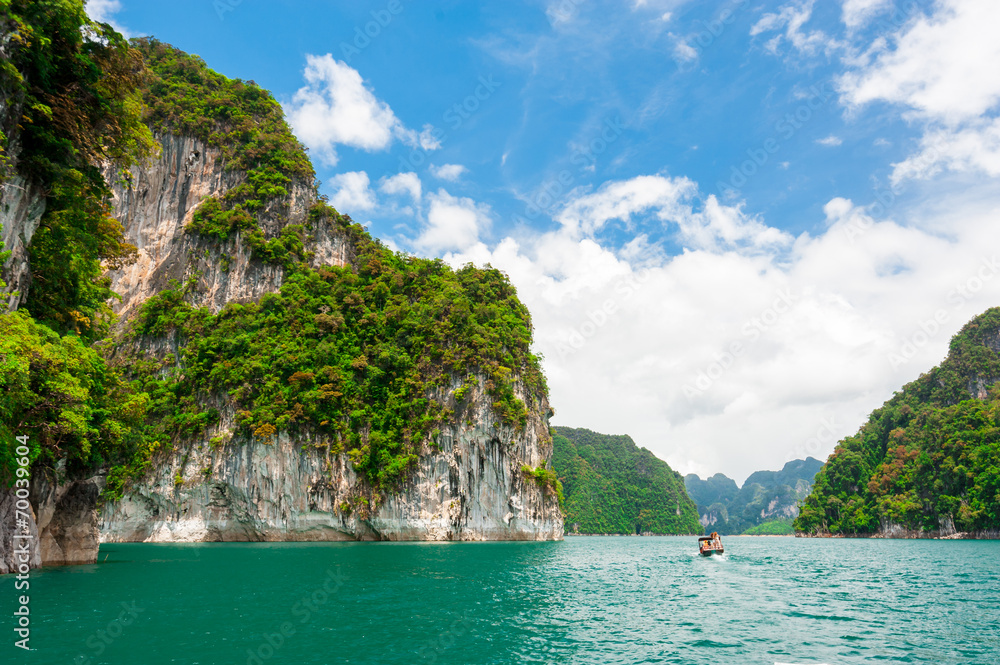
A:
{"points": [[672, 201], [428, 139], [450, 172], [103, 11], [453, 224], [337, 108], [624, 331], [976, 147], [402, 182], [830, 141], [856, 13], [942, 72], [685, 52], [943, 66], [353, 192], [792, 18]]}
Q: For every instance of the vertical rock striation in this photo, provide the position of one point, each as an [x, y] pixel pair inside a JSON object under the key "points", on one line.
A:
{"points": [[154, 204], [470, 487]]}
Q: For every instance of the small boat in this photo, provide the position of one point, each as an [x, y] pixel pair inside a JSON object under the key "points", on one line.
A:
{"points": [[709, 545]]}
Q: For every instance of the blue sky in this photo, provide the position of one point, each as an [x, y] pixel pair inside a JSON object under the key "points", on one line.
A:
{"points": [[739, 225]]}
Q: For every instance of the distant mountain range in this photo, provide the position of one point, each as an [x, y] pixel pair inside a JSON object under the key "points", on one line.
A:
{"points": [[612, 486], [766, 504]]}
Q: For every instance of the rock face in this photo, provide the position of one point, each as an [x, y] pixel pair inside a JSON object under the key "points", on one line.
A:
{"points": [[21, 208], [293, 490], [22, 204], [284, 489], [66, 514], [8, 530], [471, 488], [155, 202]]}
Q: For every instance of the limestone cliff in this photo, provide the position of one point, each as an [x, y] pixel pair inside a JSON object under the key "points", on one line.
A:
{"points": [[470, 487], [156, 202], [465, 483]]}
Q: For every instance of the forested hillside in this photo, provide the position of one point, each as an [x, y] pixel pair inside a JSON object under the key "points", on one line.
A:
{"points": [[928, 460], [613, 486]]}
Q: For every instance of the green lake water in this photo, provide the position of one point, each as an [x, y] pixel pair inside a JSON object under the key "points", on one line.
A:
{"points": [[586, 600]]}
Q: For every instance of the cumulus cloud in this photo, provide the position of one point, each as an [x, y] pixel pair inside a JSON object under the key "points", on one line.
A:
{"points": [[734, 361], [337, 108], [943, 66], [401, 183], [674, 202], [975, 147], [453, 224], [942, 72], [353, 192], [830, 141], [450, 172]]}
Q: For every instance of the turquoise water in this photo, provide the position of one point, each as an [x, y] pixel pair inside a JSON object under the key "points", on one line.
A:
{"points": [[585, 600]]}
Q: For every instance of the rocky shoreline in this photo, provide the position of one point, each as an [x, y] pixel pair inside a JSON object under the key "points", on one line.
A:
{"points": [[910, 534]]}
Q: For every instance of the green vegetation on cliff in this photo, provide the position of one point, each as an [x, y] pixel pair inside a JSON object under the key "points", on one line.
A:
{"points": [[362, 358], [70, 101], [65, 398], [778, 527], [70, 91], [613, 486], [929, 457], [183, 96]]}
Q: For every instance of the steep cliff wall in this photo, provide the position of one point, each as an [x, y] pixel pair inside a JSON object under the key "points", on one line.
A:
{"points": [[469, 487], [230, 481], [22, 205], [155, 202]]}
